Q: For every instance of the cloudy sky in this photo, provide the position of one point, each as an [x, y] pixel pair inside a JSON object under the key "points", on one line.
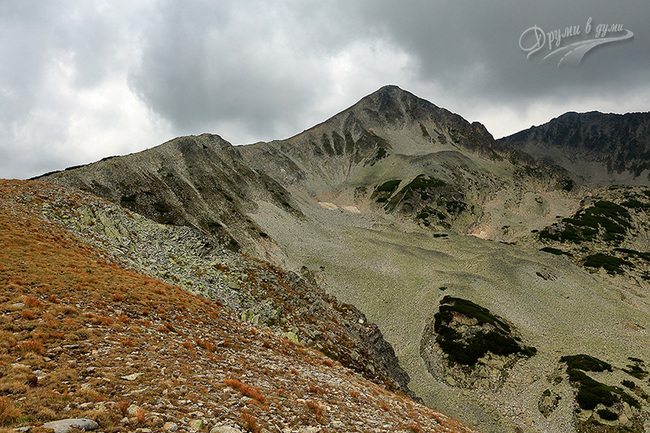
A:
{"points": [[81, 80]]}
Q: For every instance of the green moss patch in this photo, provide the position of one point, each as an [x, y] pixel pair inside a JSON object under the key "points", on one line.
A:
{"points": [[555, 251], [634, 253], [487, 333], [591, 393], [610, 263], [636, 369], [603, 219]]}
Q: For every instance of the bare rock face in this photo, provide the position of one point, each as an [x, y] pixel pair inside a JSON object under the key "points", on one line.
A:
{"points": [[596, 148], [192, 181]]}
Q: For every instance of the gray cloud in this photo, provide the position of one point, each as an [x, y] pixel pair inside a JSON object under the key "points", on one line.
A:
{"points": [[83, 80], [473, 47]]}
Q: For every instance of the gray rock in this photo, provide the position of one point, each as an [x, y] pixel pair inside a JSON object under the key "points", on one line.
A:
{"points": [[65, 425], [170, 426], [196, 424], [132, 377], [225, 429]]}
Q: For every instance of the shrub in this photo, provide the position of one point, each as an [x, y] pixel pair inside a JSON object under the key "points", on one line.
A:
{"points": [[555, 251], [585, 225], [636, 369], [585, 363], [160, 207], [388, 186], [245, 389], [610, 263], [8, 412], [607, 414], [496, 339], [591, 393], [628, 384]]}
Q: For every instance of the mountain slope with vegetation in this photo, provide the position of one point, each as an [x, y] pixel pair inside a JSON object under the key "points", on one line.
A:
{"points": [[84, 337], [397, 206]]}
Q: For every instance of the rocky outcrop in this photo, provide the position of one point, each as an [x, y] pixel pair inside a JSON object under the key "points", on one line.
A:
{"points": [[596, 148], [467, 346], [260, 292]]}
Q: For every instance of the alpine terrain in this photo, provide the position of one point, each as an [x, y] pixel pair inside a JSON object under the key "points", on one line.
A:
{"points": [[504, 283]]}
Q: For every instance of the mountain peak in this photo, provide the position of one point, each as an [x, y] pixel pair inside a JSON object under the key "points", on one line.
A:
{"points": [[393, 99]]}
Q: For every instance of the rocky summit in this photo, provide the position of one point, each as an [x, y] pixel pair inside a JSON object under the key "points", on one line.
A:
{"points": [[502, 282]]}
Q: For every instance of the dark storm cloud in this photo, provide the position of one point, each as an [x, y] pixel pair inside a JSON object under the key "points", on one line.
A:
{"points": [[472, 48]]}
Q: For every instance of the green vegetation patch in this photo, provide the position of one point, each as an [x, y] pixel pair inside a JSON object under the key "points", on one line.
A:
{"points": [[607, 414], [634, 253], [585, 363], [636, 369], [382, 192], [591, 393], [602, 218], [555, 251], [161, 207], [610, 263], [388, 186], [628, 384], [635, 204], [488, 333], [422, 184]]}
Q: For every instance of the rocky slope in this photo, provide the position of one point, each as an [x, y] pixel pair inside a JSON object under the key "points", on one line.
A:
{"points": [[84, 337], [597, 148], [376, 205]]}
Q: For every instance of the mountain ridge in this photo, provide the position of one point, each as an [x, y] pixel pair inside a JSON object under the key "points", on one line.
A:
{"points": [[589, 143], [397, 206]]}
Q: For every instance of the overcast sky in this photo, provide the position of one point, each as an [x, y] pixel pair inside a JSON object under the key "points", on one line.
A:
{"points": [[81, 80]]}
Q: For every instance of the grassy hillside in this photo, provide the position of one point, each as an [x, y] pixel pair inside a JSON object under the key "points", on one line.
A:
{"points": [[82, 337]]}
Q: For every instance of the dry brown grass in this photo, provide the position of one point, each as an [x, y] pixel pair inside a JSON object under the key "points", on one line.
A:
{"points": [[251, 424], [8, 411], [315, 408], [94, 323], [245, 389]]}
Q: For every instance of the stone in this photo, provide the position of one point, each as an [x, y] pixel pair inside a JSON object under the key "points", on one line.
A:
{"points": [[222, 428], [196, 424], [133, 409], [170, 426], [65, 425]]}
